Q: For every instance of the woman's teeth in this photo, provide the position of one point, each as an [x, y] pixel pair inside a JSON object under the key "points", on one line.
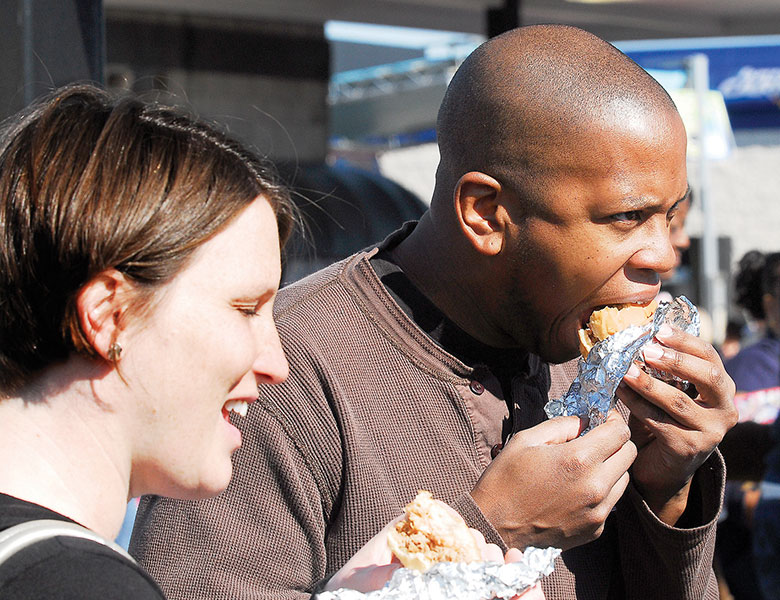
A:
{"points": [[239, 407]]}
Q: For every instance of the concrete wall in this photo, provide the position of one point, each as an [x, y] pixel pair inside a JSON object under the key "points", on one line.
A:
{"points": [[745, 190]]}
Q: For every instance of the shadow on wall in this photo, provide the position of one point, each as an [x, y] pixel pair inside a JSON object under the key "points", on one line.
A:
{"points": [[343, 210]]}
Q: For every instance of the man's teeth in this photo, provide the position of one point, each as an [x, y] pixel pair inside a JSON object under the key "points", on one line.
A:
{"points": [[237, 406]]}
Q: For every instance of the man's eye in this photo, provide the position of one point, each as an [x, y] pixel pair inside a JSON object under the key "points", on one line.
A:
{"points": [[631, 215]]}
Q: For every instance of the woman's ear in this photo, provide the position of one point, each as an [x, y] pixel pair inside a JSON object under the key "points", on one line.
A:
{"points": [[480, 212], [100, 305]]}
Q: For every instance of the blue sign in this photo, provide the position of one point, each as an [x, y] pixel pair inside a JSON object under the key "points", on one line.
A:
{"points": [[746, 70]]}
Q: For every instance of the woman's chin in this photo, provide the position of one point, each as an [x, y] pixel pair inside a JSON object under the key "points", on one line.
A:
{"points": [[207, 486], [214, 486]]}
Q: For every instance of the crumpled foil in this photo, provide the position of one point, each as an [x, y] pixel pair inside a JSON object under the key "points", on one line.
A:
{"points": [[592, 393], [461, 581]]}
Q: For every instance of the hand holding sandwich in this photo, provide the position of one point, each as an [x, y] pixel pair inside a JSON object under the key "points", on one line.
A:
{"points": [[429, 532], [674, 432], [551, 487]]}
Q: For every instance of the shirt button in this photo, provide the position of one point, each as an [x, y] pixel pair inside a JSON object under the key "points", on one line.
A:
{"points": [[495, 450], [477, 387]]}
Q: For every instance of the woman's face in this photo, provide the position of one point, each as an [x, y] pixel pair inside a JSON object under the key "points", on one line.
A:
{"points": [[208, 342]]}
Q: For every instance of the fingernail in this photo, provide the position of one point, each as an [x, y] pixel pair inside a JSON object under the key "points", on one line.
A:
{"points": [[633, 371], [652, 351], [664, 331]]}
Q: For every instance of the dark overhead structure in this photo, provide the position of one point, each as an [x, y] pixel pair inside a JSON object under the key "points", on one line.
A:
{"points": [[503, 18], [35, 59], [343, 209]]}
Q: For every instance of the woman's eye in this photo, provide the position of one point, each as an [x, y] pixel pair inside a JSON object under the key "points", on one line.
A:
{"points": [[249, 311]]}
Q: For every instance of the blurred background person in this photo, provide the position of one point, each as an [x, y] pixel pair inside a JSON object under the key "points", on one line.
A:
{"points": [[756, 368], [733, 338], [680, 242], [766, 537], [756, 372]]}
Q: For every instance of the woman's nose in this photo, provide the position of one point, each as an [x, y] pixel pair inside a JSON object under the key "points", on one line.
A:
{"points": [[271, 364]]}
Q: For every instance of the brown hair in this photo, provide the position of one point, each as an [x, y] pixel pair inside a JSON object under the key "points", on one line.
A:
{"points": [[90, 182]]}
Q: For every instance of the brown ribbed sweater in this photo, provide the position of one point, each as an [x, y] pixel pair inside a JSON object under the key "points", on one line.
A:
{"points": [[373, 411]]}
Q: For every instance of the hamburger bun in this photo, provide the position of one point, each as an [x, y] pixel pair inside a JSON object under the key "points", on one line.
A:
{"points": [[431, 532], [611, 319]]}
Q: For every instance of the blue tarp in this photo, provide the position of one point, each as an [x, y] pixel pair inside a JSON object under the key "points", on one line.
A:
{"points": [[745, 69]]}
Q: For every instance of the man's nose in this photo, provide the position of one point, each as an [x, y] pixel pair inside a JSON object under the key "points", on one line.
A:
{"points": [[657, 252]]}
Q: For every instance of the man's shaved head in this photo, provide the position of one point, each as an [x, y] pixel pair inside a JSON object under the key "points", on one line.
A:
{"points": [[562, 164], [532, 89]]}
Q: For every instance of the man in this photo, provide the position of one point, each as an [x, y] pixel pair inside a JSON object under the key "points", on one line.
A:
{"points": [[423, 363]]}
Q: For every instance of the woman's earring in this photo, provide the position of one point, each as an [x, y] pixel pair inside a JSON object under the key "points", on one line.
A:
{"points": [[114, 352]]}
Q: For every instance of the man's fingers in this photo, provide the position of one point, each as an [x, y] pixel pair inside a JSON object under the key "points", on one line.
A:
{"points": [[687, 343], [710, 378], [478, 537], [617, 491], [656, 403], [554, 431], [621, 460], [605, 439], [492, 553], [533, 593], [615, 474]]}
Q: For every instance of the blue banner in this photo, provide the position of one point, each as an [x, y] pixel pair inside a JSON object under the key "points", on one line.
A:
{"points": [[746, 70]]}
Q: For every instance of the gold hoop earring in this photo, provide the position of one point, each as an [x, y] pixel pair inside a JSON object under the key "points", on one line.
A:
{"points": [[114, 352]]}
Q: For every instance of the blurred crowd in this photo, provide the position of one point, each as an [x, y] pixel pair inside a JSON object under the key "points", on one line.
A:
{"points": [[748, 546], [747, 559]]}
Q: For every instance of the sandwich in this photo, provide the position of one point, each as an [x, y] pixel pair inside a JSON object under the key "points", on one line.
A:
{"points": [[611, 319], [431, 532]]}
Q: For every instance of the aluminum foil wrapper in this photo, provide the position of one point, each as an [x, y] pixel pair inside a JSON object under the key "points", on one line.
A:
{"points": [[461, 581], [592, 393]]}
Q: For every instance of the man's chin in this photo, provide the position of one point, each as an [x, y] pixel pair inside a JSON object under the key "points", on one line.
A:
{"points": [[559, 354]]}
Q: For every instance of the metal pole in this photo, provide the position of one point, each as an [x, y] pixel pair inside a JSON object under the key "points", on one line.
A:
{"points": [[709, 279]]}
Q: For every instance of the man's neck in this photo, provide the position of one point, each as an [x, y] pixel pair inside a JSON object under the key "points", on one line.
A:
{"points": [[437, 267]]}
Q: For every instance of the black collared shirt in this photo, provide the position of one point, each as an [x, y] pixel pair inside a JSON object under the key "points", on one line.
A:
{"points": [[506, 364]]}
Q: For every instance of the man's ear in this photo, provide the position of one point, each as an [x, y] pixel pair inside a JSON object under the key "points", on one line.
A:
{"points": [[100, 305], [482, 217]]}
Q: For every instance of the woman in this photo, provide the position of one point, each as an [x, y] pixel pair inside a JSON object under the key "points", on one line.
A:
{"points": [[139, 261], [756, 369], [756, 372]]}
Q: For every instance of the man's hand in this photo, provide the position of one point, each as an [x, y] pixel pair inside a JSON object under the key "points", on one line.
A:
{"points": [[675, 433], [549, 487]]}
